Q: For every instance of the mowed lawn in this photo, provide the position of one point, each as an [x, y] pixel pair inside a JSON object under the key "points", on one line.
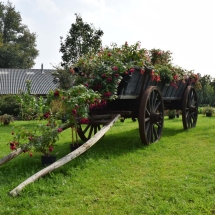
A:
{"points": [[118, 175]]}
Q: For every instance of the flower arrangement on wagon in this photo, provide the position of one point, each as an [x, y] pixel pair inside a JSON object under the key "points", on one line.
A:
{"points": [[43, 137], [104, 70]]}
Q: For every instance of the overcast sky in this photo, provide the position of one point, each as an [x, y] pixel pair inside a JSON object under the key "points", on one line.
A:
{"points": [[185, 27]]}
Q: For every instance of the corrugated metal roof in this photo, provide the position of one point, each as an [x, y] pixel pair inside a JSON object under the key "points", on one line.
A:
{"points": [[13, 80]]}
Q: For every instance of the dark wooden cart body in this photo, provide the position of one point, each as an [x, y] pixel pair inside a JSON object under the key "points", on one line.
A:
{"points": [[140, 97]]}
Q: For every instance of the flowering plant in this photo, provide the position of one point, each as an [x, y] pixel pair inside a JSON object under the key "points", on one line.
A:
{"points": [[76, 103], [104, 70]]}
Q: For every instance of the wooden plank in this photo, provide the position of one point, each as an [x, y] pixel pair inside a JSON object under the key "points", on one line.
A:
{"points": [[65, 159]]}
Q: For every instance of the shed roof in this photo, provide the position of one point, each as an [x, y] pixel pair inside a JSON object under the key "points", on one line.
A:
{"points": [[14, 80]]}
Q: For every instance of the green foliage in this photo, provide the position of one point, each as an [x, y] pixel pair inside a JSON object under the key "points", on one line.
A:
{"points": [[9, 105], [31, 107], [17, 43], [81, 39]]}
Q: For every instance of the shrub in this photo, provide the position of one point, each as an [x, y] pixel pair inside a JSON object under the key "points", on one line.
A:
{"points": [[208, 110], [200, 109], [6, 119], [9, 105]]}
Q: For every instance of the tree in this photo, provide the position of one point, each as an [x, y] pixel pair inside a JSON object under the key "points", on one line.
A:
{"points": [[206, 95], [81, 39], [63, 77], [17, 43]]}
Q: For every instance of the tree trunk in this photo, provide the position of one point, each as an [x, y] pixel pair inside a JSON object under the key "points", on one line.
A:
{"points": [[65, 159]]}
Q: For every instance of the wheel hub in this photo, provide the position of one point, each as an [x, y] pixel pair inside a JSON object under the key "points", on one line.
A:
{"points": [[192, 108], [155, 117]]}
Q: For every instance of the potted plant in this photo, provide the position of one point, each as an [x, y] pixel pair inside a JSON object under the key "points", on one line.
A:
{"points": [[6, 119], [172, 114], [208, 111]]}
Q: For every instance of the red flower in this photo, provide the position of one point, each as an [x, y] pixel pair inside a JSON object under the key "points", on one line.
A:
{"points": [[12, 132], [131, 70], [74, 111], [30, 138], [109, 79], [116, 75], [152, 72], [104, 75], [175, 77], [109, 54], [84, 121], [12, 146], [158, 78], [31, 154], [56, 93], [107, 94], [126, 43], [59, 130], [142, 71], [46, 115], [50, 149], [115, 68]]}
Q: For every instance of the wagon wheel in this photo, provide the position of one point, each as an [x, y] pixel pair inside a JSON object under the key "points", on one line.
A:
{"points": [[189, 108], [151, 115], [85, 132]]}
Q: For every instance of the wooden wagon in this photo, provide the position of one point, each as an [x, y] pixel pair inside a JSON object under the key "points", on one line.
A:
{"points": [[140, 97]]}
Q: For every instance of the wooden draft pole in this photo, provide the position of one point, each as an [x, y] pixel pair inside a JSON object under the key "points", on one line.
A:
{"points": [[66, 158], [18, 151]]}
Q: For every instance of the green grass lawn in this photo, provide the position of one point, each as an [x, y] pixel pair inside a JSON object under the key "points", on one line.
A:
{"points": [[119, 175]]}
